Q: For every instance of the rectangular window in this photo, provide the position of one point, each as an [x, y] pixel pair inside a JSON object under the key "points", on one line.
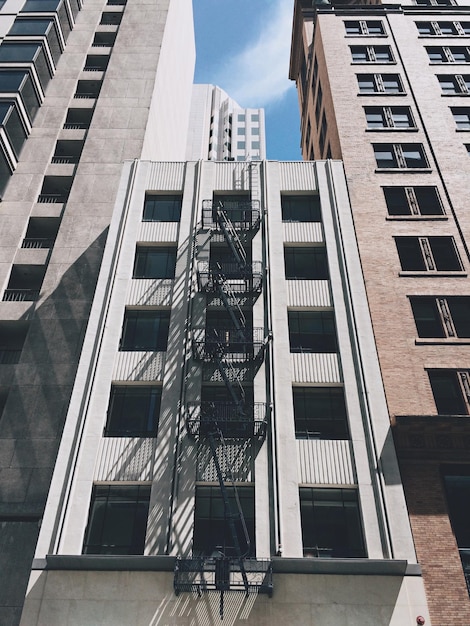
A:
{"points": [[155, 262], [212, 533], [457, 487], [389, 117], [240, 145], [461, 117], [241, 117], [255, 117], [448, 54], [413, 201], [331, 523], [364, 27], [454, 84], [436, 29], [117, 520], [145, 330], [320, 413], [400, 156], [323, 133], [371, 54], [309, 263], [133, 411], [165, 208], [255, 130], [301, 208], [312, 331], [255, 145], [241, 130], [425, 254], [438, 3], [380, 83], [442, 316], [451, 391]]}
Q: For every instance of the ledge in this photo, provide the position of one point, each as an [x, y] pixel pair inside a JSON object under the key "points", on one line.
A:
{"points": [[344, 567]]}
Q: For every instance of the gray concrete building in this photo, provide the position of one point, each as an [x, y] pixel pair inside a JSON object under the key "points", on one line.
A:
{"points": [[82, 88], [385, 88], [227, 448]]}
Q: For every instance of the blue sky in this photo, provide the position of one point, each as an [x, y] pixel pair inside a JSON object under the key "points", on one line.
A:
{"points": [[243, 47]]}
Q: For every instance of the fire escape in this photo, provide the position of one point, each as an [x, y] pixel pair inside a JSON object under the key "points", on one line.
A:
{"points": [[229, 346]]}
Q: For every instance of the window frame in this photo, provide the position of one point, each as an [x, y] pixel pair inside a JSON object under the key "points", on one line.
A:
{"points": [[173, 211], [460, 379], [372, 54], [295, 267], [364, 28], [400, 161], [380, 85], [120, 396], [387, 116], [449, 317], [415, 201], [307, 332], [320, 413], [448, 54], [130, 331], [428, 254], [293, 214], [461, 117]]}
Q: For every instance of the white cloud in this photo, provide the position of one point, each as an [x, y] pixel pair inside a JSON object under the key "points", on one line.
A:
{"points": [[258, 75]]}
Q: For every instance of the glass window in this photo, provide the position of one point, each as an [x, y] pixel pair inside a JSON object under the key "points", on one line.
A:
{"points": [[241, 130], [308, 263], [240, 145], [25, 27], [413, 155], [449, 84], [427, 317], [428, 253], [145, 330], [391, 83], [164, 208], [413, 201], [301, 208], [447, 393], [410, 253], [241, 117], [320, 413], [255, 130], [436, 55], [385, 156], [461, 117], [212, 533], [459, 307], [331, 523], [155, 262], [117, 521], [11, 122], [133, 411], [367, 83], [255, 117], [312, 331]]}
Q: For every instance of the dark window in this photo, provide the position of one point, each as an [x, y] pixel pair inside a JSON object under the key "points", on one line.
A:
{"points": [[42, 27], [364, 27], [413, 201], [13, 126], [27, 53], [145, 330], [301, 208], [306, 263], [312, 331], [331, 523], [111, 18], [455, 84], [448, 54], [117, 520], [133, 411], [461, 117], [389, 117], [428, 253], [212, 535], [400, 156], [162, 208], [320, 413], [457, 487], [371, 54], [451, 391], [442, 316], [155, 262]]}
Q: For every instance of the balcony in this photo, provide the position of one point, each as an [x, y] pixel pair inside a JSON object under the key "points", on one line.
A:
{"points": [[213, 344], [236, 279], [103, 39], [243, 214], [96, 63], [244, 422], [55, 189], [222, 574], [67, 152], [41, 233], [87, 89], [78, 119], [24, 284]]}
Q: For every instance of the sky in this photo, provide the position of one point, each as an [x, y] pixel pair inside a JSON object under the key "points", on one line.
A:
{"points": [[243, 46]]}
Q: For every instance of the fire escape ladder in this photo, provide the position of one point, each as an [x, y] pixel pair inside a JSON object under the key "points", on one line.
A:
{"points": [[231, 237], [232, 382]]}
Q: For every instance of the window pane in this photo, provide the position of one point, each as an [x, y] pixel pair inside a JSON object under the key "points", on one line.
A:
{"points": [[320, 413], [459, 307], [145, 330], [458, 495], [133, 411], [312, 331], [383, 54], [448, 84], [353, 28], [402, 117], [397, 201], [306, 263], [359, 54], [444, 253], [162, 208], [436, 55], [391, 83], [375, 117], [428, 200], [155, 262], [413, 155], [447, 394], [385, 156], [366, 83], [427, 318], [409, 251]]}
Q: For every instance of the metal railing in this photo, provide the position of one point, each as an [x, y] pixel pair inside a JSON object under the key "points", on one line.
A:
{"points": [[244, 215], [20, 295], [76, 126], [246, 279], [246, 421], [52, 198], [37, 242], [235, 345], [62, 160]]}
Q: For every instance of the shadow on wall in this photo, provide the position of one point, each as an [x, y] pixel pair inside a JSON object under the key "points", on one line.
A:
{"points": [[39, 389], [92, 598]]}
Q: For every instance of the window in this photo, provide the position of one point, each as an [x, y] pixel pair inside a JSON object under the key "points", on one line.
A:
{"points": [[255, 145], [301, 208], [331, 523], [448, 54], [155, 262], [117, 521], [255, 130], [380, 83], [241, 130], [425, 254], [438, 3], [400, 155], [371, 54], [312, 331], [389, 117], [364, 27], [445, 29], [133, 411], [320, 413], [145, 330], [309, 263], [457, 488], [451, 391], [454, 84], [162, 208], [240, 145], [442, 316], [212, 534], [323, 133], [241, 117], [255, 117], [461, 117], [318, 103], [413, 201]]}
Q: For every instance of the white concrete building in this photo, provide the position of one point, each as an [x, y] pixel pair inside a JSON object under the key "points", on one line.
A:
{"points": [[222, 130], [227, 437]]}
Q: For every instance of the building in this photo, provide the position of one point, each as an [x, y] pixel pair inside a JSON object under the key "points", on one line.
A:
{"points": [[384, 88], [229, 356], [73, 107], [221, 130]]}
